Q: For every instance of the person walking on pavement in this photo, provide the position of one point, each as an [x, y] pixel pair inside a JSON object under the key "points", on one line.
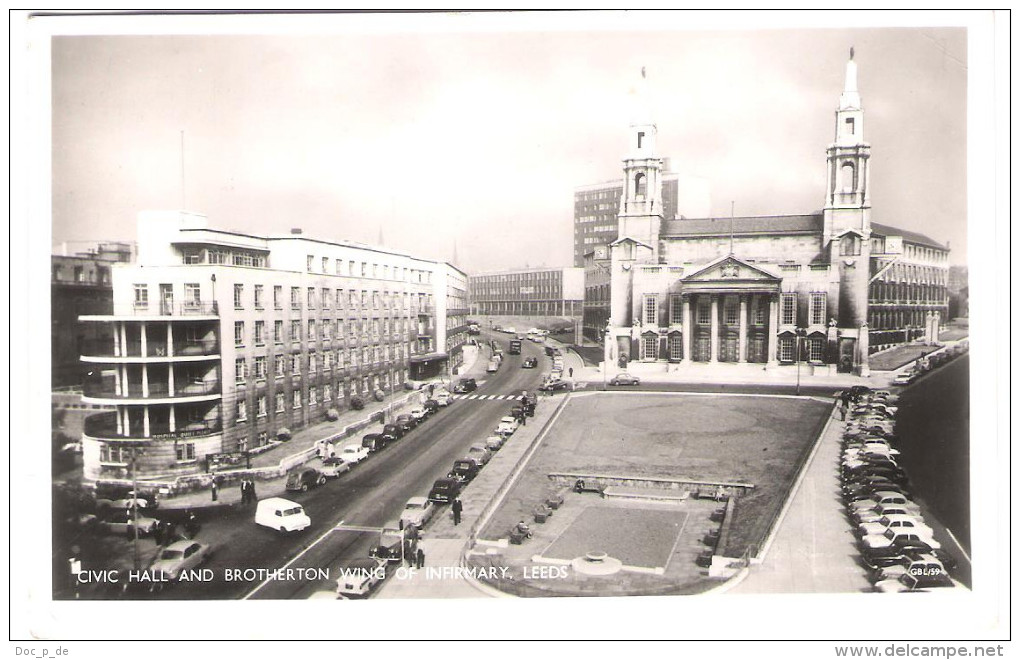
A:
{"points": [[251, 490], [457, 507], [571, 372], [420, 557], [214, 488]]}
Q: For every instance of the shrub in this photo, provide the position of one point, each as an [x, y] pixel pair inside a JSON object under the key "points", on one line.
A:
{"points": [[379, 395], [357, 403]]}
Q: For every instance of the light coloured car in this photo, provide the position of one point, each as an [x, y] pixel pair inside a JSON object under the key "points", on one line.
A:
{"points": [[180, 556], [123, 522], [282, 514], [417, 512], [922, 565], [884, 497], [507, 425], [890, 536], [334, 467], [479, 452], [353, 454], [494, 442], [443, 398], [876, 514], [905, 378], [899, 521], [419, 413], [359, 576]]}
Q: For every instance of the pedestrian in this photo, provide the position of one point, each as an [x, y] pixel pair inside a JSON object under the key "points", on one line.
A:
{"points": [[571, 372], [244, 491], [524, 419], [409, 553], [157, 533], [215, 490], [251, 490], [420, 557], [457, 507]]}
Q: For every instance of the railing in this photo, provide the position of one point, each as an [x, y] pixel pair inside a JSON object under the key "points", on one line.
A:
{"points": [[105, 348], [153, 308], [105, 426], [107, 390]]}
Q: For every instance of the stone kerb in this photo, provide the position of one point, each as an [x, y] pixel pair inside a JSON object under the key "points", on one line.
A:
{"points": [[693, 486]]}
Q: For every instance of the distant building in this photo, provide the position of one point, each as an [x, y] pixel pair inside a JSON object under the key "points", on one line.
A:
{"points": [[528, 292], [830, 287], [959, 292], [219, 341], [79, 284]]}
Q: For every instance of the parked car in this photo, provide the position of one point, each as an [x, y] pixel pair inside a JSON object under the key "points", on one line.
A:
{"points": [[898, 547], [417, 512], [905, 378], [493, 366], [464, 470], [180, 556], [374, 442], [432, 405], [403, 427], [123, 522], [624, 379], [419, 413], [529, 363], [495, 442], [893, 536], [148, 502], [908, 582], [392, 544], [397, 431], [507, 425], [406, 418], [443, 399], [554, 385], [444, 490], [359, 576], [282, 514], [882, 498], [481, 452], [334, 467], [925, 565], [304, 478], [465, 385], [353, 454]]}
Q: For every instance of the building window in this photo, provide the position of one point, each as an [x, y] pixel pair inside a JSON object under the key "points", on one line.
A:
{"points": [[114, 454], [640, 185], [295, 330], [242, 410], [185, 451], [850, 125], [758, 317], [788, 313], [704, 312], [297, 399], [786, 349], [731, 312], [295, 297], [816, 349], [278, 297], [141, 296], [325, 265], [238, 296], [850, 245], [651, 307], [649, 347], [311, 364], [313, 395], [311, 297], [192, 294], [339, 298], [260, 333], [279, 401], [311, 330], [295, 365], [258, 296], [847, 174], [339, 265], [278, 332], [640, 138], [310, 262], [239, 371], [818, 309], [262, 439], [676, 310], [260, 367], [280, 363], [238, 333], [676, 347], [325, 298], [327, 361]]}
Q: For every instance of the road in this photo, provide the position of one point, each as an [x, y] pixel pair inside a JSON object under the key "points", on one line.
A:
{"points": [[370, 495]]}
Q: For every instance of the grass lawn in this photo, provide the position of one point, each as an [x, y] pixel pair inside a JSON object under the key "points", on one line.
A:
{"points": [[637, 537], [756, 439]]}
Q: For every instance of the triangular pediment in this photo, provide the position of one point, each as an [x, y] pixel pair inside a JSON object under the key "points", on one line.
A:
{"points": [[628, 239], [732, 269]]}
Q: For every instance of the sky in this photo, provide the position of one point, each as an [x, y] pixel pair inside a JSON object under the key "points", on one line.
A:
{"points": [[430, 133]]}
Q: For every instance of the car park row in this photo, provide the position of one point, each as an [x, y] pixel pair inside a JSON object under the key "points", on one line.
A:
{"points": [[896, 546]]}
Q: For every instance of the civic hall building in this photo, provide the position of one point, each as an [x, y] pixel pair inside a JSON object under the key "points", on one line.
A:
{"points": [[220, 341], [743, 289]]}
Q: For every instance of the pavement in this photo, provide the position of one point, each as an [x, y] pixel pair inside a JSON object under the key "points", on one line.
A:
{"points": [[297, 447]]}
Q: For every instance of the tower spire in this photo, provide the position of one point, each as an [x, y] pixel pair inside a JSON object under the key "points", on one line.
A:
{"points": [[850, 99]]}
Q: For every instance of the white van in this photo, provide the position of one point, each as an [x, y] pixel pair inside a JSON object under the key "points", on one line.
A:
{"points": [[281, 514]]}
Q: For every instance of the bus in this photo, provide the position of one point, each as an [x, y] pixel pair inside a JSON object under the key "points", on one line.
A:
{"points": [[515, 347]]}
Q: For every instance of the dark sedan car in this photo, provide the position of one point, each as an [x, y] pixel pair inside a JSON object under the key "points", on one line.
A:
{"points": [[554, 385], [529, 363], [625, 379], [374, 442], [444, 491], [304, 478], [397, 431], [406, 419]]}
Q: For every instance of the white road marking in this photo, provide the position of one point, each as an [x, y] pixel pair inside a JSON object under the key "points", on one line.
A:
{"points": [[296, 557]]}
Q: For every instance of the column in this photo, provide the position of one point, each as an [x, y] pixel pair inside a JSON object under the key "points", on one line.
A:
{"points": [[173, 419], [742, 336], [145, 352], [715, 330], [170, 379], [772, 329], [145, 378], [145, 421], [121, 425], [687, 328], [122, 333], [169, 339]]}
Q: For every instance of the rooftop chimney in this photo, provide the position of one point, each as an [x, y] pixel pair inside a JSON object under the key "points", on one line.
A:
{"points": [[296, 231]]}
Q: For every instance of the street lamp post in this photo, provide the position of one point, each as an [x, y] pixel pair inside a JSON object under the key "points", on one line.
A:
{"points": [[134, 508], [800, 333]]}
